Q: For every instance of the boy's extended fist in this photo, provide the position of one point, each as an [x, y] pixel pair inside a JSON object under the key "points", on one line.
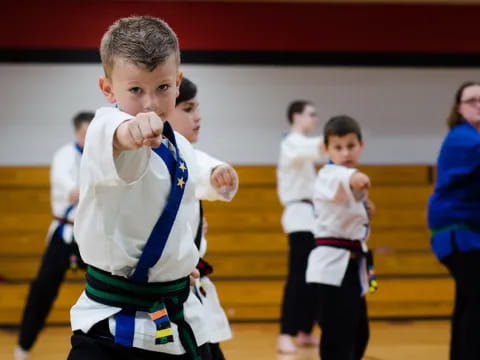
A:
{"points": [[224, 176], [145, 129], [359, 181]]}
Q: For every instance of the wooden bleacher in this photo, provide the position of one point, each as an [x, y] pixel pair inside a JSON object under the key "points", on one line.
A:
{"points": [[246, 245]]}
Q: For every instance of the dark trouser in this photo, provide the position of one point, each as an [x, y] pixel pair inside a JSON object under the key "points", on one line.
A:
{"points": [[465, 269], [98, 344], [216, 352], [298, 307], [44, 289], [343, 318]]}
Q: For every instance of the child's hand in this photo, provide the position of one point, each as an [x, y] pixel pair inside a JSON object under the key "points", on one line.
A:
{"points": [[223, 176], [370, 208], [194, 276], [143, 130], [205, 226], [74, 196], [359, 181]]}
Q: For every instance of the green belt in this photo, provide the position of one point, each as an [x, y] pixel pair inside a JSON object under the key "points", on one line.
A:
{"points": [[130, 296], [455, 227]]}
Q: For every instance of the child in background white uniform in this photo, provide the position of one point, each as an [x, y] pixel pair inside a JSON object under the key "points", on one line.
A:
{"points": [[295, 178], [186, 120], [337, 266], [134, 224], [62, 251]]}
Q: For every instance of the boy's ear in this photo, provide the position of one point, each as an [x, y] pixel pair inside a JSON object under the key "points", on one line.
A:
{"points": [[105, 86], [323, 147], [179, 81]]}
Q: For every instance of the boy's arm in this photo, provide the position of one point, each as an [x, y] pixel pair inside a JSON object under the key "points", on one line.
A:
{"points": [[111, 155], [217, 180], [340, 184], [145, 129], [62, 182], [302, 148]]}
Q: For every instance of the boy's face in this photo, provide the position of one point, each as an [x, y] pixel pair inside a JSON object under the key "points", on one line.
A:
{"points": [[80, 134], [344, 150], [186, 119], [136, 90], [307, 120]]}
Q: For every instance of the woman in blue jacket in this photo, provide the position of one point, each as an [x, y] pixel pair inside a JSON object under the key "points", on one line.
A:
{"points": [[454, 218]]}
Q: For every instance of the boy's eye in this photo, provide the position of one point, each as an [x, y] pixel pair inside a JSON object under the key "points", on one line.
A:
{"points": [[135, 90], [164, 87], [188, 109]]}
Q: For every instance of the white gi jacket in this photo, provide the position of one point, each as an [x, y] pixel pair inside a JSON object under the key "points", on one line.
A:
{"points": [[295, 179], [63, 181], [120, 201], [217, 322], [340, 213]]}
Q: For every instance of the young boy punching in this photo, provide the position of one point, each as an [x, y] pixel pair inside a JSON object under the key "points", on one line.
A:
{"points": [[338, 264], [134, 224]]}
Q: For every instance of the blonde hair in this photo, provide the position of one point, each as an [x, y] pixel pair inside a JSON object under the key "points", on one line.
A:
{"points": [[143, 40]]}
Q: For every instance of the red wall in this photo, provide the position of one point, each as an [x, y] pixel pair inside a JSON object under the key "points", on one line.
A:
{"points": [[78, 24]]}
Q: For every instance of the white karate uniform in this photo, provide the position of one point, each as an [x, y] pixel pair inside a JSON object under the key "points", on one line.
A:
{"points": [[217, 321], [295, 179], [340, 213], [120, 201], [63, 181]]}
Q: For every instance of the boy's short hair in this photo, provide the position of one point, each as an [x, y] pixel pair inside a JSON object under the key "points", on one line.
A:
{"points": [[143, 40], [341, 125], [187, 91], [296, 107], [81, 118]]}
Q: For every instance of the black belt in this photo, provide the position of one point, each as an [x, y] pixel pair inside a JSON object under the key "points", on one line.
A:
{"points": [[304, 201]]}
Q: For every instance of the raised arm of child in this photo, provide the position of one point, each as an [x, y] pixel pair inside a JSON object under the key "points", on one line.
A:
{"points": [[145, 129]]}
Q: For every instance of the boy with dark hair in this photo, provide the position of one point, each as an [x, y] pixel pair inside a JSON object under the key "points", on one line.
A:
{"points": [[338, 265], [186, 119], [295, 178], [134, 224], [62, 251]]}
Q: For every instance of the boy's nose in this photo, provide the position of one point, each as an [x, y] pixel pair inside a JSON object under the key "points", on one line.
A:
{"points": [[150, 104]]}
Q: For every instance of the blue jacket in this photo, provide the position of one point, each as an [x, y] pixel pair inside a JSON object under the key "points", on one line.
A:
{"points": [[454, 207]]}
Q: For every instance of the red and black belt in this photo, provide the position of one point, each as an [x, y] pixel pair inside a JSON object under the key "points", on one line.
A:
{"points": [[355, 246], [63, 220]]}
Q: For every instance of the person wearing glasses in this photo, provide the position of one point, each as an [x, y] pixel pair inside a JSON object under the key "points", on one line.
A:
{"points": [[295, 179], [454, 218]]}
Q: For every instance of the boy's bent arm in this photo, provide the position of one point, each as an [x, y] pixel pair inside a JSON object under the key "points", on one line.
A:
{"points": [[302, 148], [333, 184], [209, 183]]}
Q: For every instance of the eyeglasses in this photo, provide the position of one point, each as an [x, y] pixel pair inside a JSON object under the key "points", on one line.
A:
{"points": [[472, 101]]}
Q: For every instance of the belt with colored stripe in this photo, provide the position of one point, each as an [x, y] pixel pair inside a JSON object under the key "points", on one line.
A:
{"points": [[163, 301]]}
